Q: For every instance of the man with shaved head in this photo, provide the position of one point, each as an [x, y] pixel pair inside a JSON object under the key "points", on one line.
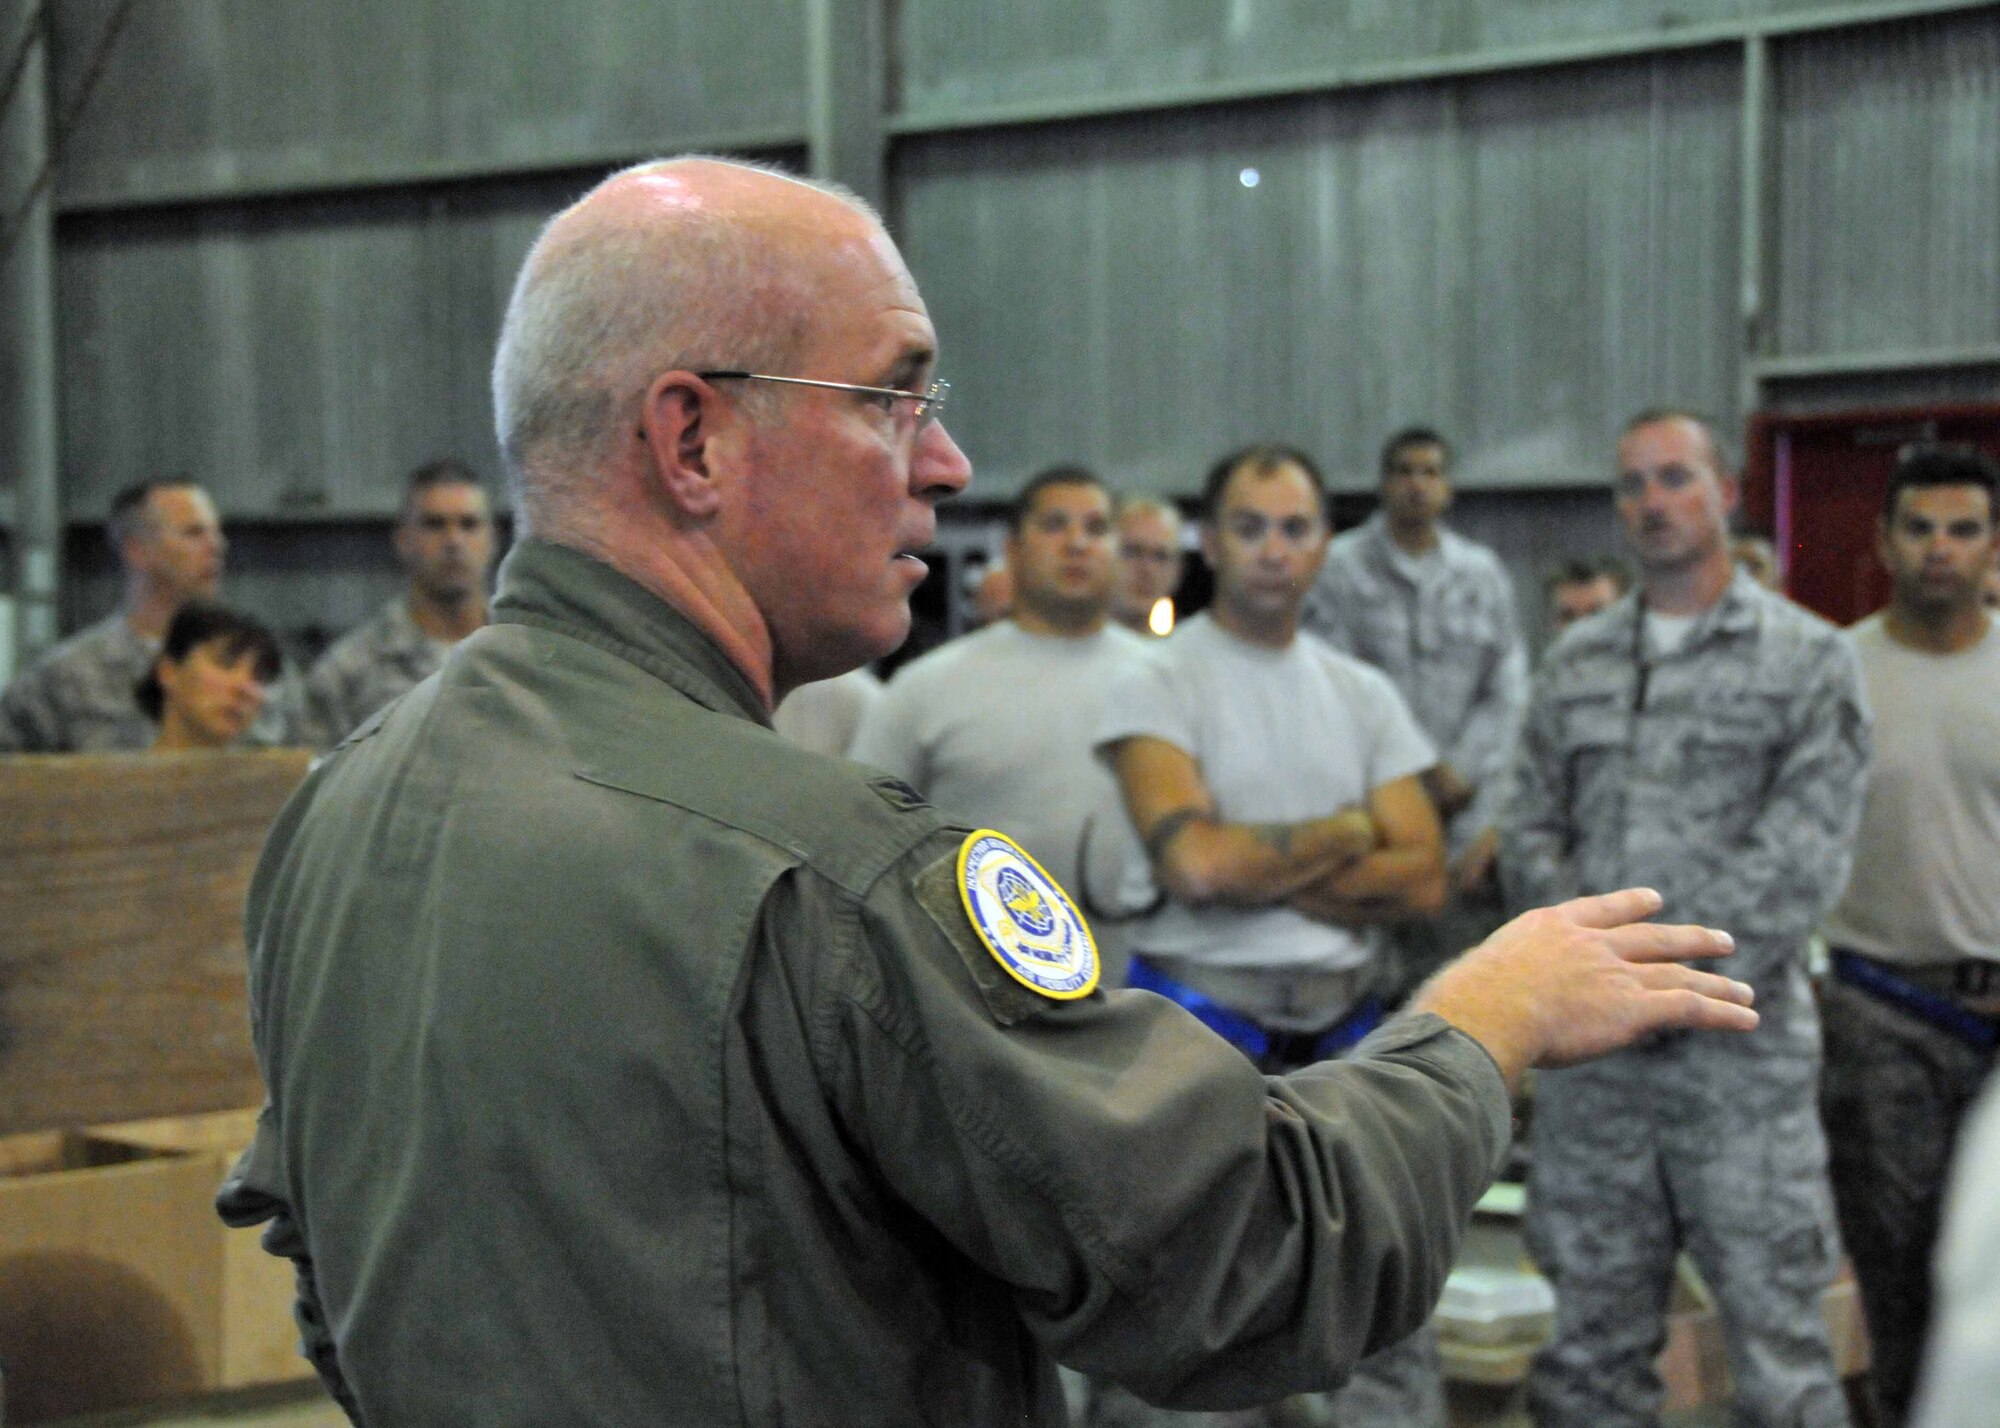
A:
{"points": [[631, 1065]]}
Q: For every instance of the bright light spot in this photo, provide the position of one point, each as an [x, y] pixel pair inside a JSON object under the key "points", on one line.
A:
{"points": [[1249, 178], [1161, 621]]}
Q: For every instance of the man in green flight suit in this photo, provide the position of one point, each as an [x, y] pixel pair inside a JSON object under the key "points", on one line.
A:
{"points": [[630, 1066]]}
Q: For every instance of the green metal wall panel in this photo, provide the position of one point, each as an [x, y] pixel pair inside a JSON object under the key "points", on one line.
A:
{"points": [[297, 357], [206, 96], [1521, 259], [967, 57], [1889, 188]]}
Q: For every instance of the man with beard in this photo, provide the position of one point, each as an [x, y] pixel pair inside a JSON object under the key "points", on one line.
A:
{"points": [[1913, 1007], [444, 540]]}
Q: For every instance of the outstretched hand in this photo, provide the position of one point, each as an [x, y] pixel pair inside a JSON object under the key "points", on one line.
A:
{"points": [[1563, 984]]}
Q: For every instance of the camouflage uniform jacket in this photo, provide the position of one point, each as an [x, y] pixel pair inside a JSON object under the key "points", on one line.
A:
{"points": [[1447, 634], [1727, 774], [79, 697], [366, 668]]}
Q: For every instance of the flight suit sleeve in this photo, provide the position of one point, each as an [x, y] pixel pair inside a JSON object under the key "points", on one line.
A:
{"points": [[1537, 868], [1168, 1217], [254, 1194]]}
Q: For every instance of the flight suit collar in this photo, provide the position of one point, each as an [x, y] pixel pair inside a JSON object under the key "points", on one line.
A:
{"points": [[555, 588]]}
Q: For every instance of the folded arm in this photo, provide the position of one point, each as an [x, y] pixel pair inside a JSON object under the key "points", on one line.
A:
{"points": [[1198, 857], [1402, 877]]}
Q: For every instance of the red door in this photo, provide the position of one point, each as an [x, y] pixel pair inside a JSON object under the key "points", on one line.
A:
{"points": [[1816, 483]]}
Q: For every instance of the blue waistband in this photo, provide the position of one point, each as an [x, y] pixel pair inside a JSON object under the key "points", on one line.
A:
{"points": [[1253, 1039], [1981, 1033]]}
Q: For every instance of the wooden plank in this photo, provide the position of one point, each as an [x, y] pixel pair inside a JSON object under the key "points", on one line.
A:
{"points": [[122, 968]]}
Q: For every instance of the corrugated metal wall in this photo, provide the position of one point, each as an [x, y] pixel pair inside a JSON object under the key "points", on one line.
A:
{"points": [[1518, 259], [960, 57], [1888, 170], [208, 96], [287, 230], [300, 353]]}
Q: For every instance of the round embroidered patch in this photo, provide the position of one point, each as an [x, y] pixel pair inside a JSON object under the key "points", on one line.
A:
{"points": [[1025, 918]]}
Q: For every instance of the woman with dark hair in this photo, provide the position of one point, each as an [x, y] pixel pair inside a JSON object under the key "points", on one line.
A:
{"points": [[207, 687]]}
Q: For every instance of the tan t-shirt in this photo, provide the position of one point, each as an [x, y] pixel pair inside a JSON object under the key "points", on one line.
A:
{"points": [[1926, 880]]}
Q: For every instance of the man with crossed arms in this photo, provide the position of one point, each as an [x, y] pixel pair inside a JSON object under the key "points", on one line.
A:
{"points": [[1276, 784]]}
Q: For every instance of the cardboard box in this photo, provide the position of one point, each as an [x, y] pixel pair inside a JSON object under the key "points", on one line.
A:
{"points": [[118, 1284]]}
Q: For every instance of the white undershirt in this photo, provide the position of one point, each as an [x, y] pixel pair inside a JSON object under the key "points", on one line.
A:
{"points": [[1665, 634]]}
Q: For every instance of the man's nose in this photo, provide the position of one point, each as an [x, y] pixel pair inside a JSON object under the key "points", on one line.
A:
{"points": [[938, 468]]}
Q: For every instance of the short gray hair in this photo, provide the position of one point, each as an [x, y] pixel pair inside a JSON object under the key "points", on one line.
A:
{"points": [[592, 319]]}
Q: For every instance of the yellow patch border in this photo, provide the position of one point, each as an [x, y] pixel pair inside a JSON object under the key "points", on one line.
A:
{"points": [[972, 840]]}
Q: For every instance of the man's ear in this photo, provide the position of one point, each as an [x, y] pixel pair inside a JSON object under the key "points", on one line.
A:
{"points": [[676, 427], [135, 551]]}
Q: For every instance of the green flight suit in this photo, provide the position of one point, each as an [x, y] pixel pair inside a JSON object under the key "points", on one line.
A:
{"points": [[629, 1065]]}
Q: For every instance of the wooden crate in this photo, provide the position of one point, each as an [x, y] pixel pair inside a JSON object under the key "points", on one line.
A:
{"points": [[122, 1000], [118, 1285], [122, 965]]}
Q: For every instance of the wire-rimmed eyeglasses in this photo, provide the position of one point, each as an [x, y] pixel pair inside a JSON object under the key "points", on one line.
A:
{"points": [[928, 404]]}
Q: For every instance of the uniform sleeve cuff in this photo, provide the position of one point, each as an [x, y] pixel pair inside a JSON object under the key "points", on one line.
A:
{"points": [[1465, 1056]]}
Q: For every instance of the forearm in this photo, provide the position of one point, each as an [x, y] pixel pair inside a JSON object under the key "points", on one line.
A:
{"points": [[1388, 885], [1200, 859]]}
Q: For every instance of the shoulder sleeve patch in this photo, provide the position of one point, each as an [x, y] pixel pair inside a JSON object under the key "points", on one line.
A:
{"points": [[1022, 938]]}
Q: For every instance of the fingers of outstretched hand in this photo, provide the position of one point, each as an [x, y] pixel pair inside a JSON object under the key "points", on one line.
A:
{"points": [[1669, 977], [1698, 1009], [1613, 909], [1668, 942]]}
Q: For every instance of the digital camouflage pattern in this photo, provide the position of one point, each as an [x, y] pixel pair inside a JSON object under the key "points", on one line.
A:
{"points": [[364, 669], [1728, 775], [1448, 636], [79, 697], [1893, 1097]]}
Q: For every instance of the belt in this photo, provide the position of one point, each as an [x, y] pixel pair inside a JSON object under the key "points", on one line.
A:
{"points": [[1272, 1048], [1982, 1033]]}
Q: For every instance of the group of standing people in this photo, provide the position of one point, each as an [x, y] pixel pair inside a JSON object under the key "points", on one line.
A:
{"points": [[721, 1084], [1342, 774], [174, 668]]}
